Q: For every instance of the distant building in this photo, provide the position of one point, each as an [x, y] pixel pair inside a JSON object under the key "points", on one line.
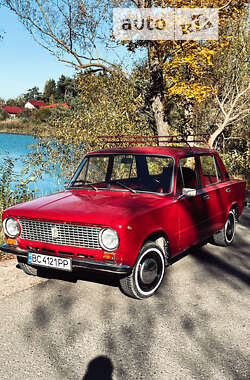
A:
{"points": [[34, 104], [57, 105], [13, 110]]}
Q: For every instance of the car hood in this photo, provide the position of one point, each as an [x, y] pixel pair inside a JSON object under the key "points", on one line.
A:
{"points": [[88, 206]]}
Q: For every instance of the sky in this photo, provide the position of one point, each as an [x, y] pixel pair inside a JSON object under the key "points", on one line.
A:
{"points": [[23, 63]]}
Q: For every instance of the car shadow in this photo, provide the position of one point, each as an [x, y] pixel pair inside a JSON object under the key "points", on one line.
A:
{"points": [[217, 265], [80, 275]]}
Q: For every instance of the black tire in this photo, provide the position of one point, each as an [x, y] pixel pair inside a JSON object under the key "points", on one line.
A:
{"points": [[147, 274], [28, 269], [225, 237]]}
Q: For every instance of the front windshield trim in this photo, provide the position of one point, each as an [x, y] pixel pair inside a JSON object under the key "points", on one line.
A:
{"points": [[89, 155]]}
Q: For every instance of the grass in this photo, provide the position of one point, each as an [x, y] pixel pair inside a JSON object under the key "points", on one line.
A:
{"points": [[3, 256], [2, 238]]}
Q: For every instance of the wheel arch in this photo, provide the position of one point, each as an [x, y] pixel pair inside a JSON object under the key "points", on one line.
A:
{"points": [[235, 209], [160, 238]]}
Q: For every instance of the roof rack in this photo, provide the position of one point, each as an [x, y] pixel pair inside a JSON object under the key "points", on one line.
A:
{"points": [[178, 139]]}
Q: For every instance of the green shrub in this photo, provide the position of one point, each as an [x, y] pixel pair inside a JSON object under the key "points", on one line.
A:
{"points": [[25, 114], [41, 116], [237, 164], [9, 196], [3, 114]]}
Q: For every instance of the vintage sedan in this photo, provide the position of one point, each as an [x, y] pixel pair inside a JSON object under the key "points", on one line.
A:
{"points": [[128, 212]]}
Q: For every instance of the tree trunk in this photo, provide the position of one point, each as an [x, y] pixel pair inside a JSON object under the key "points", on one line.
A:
{"points": [[214, 135], [163, 127]]}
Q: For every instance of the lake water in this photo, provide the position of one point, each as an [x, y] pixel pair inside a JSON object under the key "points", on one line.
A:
{"points": [[17, 147]]}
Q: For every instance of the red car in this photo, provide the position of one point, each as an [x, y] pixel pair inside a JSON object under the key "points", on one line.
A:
{"points": [[128, 211]]}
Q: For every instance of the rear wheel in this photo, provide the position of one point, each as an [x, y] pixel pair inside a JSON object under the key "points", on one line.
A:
{"points": [[225, 236], [28, 269], [147, 274]]}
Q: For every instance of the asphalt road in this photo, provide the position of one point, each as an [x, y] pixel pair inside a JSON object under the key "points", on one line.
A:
{"points": [[196, 327]]}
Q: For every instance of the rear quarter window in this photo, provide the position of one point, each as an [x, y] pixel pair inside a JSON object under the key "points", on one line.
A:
{"points": [[211, 173]]}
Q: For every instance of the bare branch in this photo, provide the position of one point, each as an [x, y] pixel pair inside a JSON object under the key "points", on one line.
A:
{"points": [[224, 6], [221, 105], [239, 116], [72, 63], [43, 25]]}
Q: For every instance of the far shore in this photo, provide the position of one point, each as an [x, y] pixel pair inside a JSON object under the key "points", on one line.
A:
{"points": [[17, 127]]}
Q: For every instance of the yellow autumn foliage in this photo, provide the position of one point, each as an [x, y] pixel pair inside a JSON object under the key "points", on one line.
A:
{"points": [[185, 63]]}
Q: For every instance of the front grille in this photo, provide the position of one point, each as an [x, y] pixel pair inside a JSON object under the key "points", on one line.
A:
{"points": [[61, 234]]}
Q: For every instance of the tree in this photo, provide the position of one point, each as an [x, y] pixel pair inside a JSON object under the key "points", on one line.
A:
{"points": [[11, 102], [229, 79], [67, 29], [71, 30], [179, 69], [33, 94], [49, 89], [225, 116], [65, 87], [107, 104], [3, 114], [19, 101]]}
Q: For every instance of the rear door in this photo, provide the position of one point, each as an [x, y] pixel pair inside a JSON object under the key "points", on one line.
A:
{"points": [[212, 194]]}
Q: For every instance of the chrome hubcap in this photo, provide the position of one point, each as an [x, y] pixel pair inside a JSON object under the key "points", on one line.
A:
{"points": [[148, 271]]}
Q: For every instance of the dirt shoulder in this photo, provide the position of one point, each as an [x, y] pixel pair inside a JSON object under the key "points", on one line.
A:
{"points": [[14, 280]]}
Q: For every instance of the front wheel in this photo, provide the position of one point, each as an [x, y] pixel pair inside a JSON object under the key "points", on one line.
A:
{"points": [[147, 274], [225, 236]]}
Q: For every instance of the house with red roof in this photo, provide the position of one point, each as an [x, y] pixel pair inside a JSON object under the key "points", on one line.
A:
{"points": [[13, 110], [57, 105], [34, 104]]}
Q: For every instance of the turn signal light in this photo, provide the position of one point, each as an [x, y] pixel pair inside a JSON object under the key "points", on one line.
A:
{"points": [[109, 256], [11, 241]]}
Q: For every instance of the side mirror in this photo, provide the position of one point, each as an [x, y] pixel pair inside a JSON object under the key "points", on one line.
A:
{"points": [[189, 192]]}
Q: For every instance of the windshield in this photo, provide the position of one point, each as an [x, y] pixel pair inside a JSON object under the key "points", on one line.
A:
{"points": [[126, 172]]}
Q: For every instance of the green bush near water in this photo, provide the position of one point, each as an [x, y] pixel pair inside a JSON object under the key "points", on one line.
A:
{"points": [[8, 196], [3, 114]]}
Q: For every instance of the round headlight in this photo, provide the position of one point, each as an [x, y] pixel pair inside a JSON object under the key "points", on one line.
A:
{"points": [[109, 239], [11, 227]]}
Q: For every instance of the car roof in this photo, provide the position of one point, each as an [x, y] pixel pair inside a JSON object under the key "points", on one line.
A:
{"points": [[159, 150]]}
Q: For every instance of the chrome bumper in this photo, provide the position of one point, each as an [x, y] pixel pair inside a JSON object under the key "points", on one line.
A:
{"points": [[76, 263]]}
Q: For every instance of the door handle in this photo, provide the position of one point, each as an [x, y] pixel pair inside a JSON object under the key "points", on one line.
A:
{"points": [[228, 190], [206, 197]]}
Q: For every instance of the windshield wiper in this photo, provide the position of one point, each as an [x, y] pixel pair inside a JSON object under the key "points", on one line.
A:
{"points": [[85, 183], [124, 186]]}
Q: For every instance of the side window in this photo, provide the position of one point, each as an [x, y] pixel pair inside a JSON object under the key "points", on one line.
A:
{"points": [[187, 174], [210, 170]]}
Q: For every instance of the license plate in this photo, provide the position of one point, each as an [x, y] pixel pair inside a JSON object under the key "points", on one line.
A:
{"points": [[50, 261]]}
